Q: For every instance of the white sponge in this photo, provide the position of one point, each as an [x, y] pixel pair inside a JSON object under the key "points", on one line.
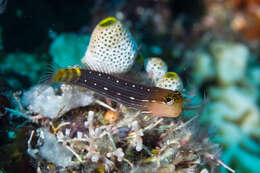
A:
{"points": [[55, 152], [43, 100]]}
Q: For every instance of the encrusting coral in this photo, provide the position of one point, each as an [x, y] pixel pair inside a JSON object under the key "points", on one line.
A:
{"points": [[93, 134]]}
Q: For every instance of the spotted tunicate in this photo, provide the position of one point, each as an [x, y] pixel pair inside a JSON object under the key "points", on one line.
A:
{"points": [[170, 81], [156, 68], [111, 48]]}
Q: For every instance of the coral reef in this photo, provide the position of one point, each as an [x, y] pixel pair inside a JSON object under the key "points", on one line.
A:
{"points": [[122, 145], [80, 131], [213, 46], [233, 109]]}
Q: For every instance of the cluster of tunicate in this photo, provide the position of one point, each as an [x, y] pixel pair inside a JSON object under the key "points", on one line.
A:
{"points": [[112, 48], [157, 69]]}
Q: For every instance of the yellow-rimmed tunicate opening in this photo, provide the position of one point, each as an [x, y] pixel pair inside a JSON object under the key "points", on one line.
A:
{"points": [[107, 21], [171, 81], [171, 75]]}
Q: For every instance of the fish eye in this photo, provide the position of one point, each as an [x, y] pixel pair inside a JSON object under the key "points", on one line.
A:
{"points": [[169, 101]]}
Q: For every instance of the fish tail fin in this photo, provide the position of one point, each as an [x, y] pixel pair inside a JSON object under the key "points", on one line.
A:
{"points": [[47, 78]]}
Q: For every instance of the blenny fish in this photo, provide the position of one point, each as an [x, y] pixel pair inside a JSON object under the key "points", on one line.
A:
{"points": [[148, 99]]}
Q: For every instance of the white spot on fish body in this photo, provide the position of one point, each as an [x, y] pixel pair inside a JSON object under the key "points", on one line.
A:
{"points": [[105, 88], [117, 81], [95, 84], [148, 90], [118, 94], [146, 112], [85, 80], [99, 74], [133, 86], [132, 98]]}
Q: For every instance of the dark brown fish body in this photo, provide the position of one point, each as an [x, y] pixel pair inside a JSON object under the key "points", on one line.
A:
{"points": [[148, 99]]}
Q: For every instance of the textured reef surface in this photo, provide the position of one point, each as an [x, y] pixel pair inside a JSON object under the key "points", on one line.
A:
{"points": [[78, 130], [206, 50]]}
